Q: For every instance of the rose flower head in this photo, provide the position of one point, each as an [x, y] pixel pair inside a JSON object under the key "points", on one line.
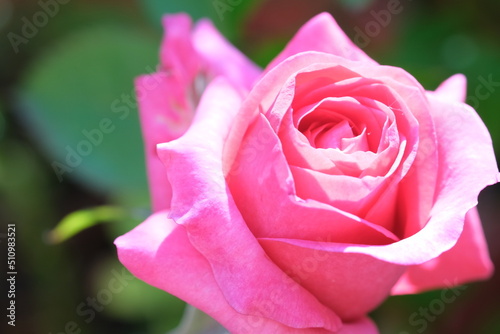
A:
{"points": [[297, 198]]}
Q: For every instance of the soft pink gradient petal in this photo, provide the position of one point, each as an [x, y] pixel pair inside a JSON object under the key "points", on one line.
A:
{"points": [[466, 165], [190, 58], [467, 261], [177, 54], [294, 217], [347, 193], [164, 117], [453, 89], [187, 52], [203, 204], [264, 93], [222, 58], [323, 34], [279, 82], [350, 284], [159, 252], [418, 187], [165, 110]]}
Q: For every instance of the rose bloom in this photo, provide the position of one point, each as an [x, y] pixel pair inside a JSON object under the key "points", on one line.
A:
{"points": [[296, 199]]}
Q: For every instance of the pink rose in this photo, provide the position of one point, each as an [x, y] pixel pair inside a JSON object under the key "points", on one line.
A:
{"points": [[189, 59], [297, 203]]}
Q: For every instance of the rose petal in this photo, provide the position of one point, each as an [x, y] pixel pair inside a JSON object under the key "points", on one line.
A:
{"points": [[443, 229], [189, 60], [263, 96], [347, 193], [186, 53], [202, 203], [363, 176], [466, 165], [453, 89], [467, 261], [417, 189], [339, 280], [334, 161], [260, 151], [275, 106], [159, 252], [322, 33], [334, 110], [164, 117], [177, 53], [222, 58]]}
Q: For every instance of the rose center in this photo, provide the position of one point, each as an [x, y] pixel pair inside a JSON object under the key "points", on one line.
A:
{"points": [[326, 128]]}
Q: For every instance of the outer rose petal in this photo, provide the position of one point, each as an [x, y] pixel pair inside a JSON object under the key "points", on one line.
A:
{"points": [[466, 165], [350, 284], [164, 115], [177, 53], [467, 261], [201, 202], [453, 89], [323, 34], [167, 100], [158, 251], [186, 52], [222, 58]]}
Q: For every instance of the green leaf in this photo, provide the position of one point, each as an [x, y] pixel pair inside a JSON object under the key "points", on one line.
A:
{"points": [[135, 301], [80, 220], [79, 104]]}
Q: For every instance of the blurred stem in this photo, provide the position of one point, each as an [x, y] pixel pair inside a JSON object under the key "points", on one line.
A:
{"points": [[196, 322]]}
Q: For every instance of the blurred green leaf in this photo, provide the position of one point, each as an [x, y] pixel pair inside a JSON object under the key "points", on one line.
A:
{"points": [[135, 300], [195, 321], [80, 220], [27, 200], [23, 182], [79, 103]]}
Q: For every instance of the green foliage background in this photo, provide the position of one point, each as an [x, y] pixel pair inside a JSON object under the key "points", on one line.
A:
{"points": [[77, 67]]}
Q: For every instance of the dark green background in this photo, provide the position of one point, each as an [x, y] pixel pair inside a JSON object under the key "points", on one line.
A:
{"points": [[81, 61]]}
